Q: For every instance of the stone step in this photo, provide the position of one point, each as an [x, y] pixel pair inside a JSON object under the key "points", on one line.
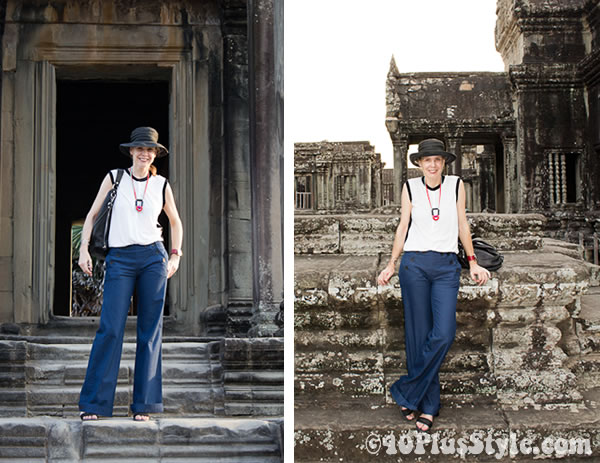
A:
{"points": [[56, 400], [347, 390], [363, 434], [45, 439], [187, 351], [224, 377], [49, 372]]}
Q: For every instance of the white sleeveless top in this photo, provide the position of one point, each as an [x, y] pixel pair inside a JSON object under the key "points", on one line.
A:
{"points": [[424, 233], [128, 226]]}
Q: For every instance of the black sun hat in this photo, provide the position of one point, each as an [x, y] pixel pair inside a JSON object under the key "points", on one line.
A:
{"points": [[432, 147], [147, 137]]}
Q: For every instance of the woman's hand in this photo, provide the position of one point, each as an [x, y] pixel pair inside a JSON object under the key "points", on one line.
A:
{"points": [[386, 274], [85, 261], [172, 265], [479, 274]]}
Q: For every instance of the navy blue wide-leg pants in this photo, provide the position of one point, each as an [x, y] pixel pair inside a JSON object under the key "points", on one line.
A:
{"points": [[143, 268], [429, 282]]}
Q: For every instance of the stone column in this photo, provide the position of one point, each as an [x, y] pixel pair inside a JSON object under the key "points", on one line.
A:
{"points": [[376, 181], [7, 172], [237, 164], [265, 50], [400, 166], [454, 145], [511, 174]]}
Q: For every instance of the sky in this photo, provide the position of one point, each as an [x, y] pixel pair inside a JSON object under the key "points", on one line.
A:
{"points": [[338, 52]]}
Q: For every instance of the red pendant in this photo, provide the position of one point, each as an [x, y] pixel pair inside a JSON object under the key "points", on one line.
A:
{"points": [[139, 205], [435, 213]]}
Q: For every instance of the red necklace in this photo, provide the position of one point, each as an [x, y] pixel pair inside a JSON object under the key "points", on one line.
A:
{"points": [[435, 211], [139, 203]]}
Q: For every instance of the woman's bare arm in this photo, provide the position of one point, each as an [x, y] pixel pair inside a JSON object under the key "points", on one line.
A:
{"points": [[85, 260], [399, 238]]}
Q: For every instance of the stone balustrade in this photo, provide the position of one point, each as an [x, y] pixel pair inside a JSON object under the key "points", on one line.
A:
{"points": [[371, 234]]}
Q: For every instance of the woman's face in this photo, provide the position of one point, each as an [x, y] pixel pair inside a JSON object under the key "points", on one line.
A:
{"points": [[142, 155], [432, 166]]}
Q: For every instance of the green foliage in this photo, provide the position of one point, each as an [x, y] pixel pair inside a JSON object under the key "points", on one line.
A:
{"points": [[76, 240]]}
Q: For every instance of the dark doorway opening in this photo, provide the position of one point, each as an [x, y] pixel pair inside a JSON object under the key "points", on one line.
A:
{"points": [[92, 119]]}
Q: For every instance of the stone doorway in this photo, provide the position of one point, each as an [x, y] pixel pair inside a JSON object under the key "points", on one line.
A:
{"points": [[92, 118], [480, 162]]}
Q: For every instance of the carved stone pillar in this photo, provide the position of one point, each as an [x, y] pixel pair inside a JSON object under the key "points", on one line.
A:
{"points": [[400, 166], [454, 145], [512, 173], [266, 155]]}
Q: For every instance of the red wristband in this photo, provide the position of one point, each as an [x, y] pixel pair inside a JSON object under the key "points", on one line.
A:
{"points": [[470, 258]]}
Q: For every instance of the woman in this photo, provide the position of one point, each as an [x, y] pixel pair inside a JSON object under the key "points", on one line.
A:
{"points": [[136, 260], [433, 217]]}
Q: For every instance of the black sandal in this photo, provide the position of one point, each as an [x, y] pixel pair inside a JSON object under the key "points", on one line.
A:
{"points": [[86, 416], [142, 415], [425, 421], [406, 412]]}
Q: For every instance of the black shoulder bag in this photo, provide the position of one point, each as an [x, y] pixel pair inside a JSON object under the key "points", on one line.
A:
{"points": [[487, 255], [98, 246]]}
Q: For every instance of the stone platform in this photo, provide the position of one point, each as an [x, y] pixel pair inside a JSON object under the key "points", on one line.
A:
{"points": [[361, 435], [526, 357], [223, 401], [54, 440]]}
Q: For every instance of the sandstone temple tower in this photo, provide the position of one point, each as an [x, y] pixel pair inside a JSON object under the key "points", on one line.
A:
{"points": [[538, 120]]}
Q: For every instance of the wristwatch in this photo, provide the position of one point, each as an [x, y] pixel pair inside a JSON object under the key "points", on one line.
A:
{"points": [[177, 252]]}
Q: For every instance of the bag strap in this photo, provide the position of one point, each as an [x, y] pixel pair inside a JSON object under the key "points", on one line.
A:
{"points": [[119, 177]]}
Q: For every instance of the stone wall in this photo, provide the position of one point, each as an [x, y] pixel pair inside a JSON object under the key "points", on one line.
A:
{"points": [[522, 339], [373, 234], [217, 136]]}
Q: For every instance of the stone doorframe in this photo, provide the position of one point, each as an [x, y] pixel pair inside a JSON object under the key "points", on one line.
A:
{"points": [[34, 94]]}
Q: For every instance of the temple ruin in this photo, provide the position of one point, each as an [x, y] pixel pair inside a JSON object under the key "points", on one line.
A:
{"points": [[337, 177], [77, 77], [537, 122], [526, 359]]}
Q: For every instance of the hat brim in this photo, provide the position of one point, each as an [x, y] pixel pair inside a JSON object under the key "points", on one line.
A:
{"points": [[162, 151], [449, 157]]}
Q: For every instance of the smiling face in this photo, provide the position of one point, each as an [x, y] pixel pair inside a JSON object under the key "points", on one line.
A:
{"points": [[142, 156], [432, 166]]}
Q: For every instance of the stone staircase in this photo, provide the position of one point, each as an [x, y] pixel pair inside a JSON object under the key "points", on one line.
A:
{"points": [[223, 402], [525, 362]]}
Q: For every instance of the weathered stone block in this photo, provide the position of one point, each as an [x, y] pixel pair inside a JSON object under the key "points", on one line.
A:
{"points": [[22, 440], [331, 319], [64, 440], [520, 295], [507, 359], [367, 235], [307, 362], [516, 315], [332, 340], [315, 387], [128, 439], [307, 298], [317, 235]]}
